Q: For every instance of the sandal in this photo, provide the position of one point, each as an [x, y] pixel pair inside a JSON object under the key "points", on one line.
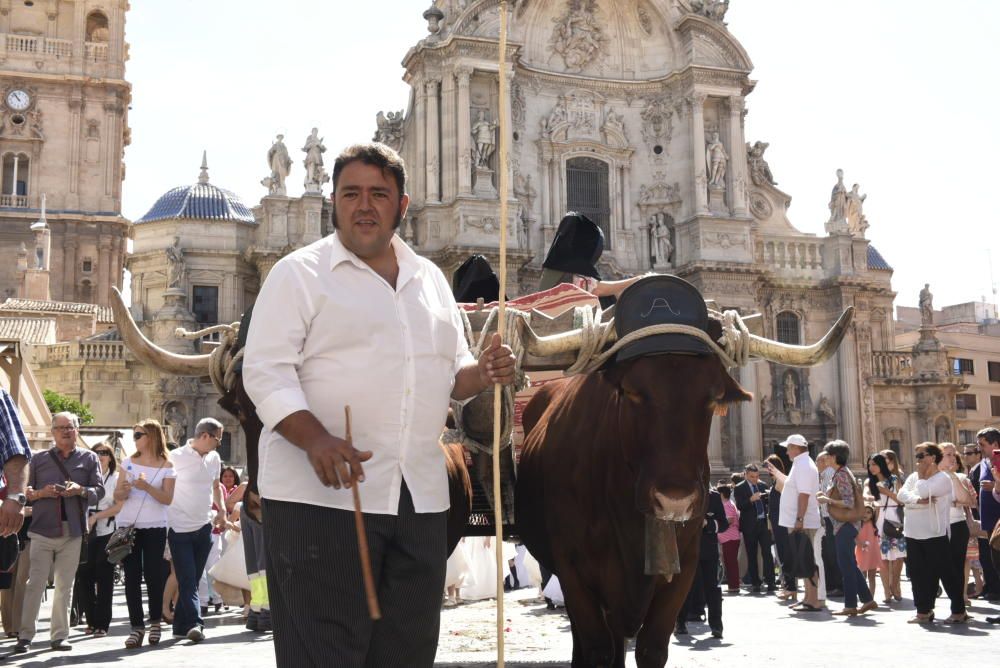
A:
{"points": [[958, 619], [922, 619], [805, 607], [100, 633], [154, 633], [134, 640], [89, 631]]}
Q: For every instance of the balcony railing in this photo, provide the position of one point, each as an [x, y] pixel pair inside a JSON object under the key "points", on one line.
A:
{"points": [[892, 365], [16, 201], [23, 43], [60, 48], [86, 351], [789, 253], [95, 50], [50, 46]]}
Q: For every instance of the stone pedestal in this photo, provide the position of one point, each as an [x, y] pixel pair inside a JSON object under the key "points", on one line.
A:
{"points": [[717, 199], [173, 314], [36, 284], [484, 183]]}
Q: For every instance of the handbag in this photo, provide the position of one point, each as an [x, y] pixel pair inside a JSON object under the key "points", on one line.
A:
{"points": [[892, 529], [848, 515], [85, 534], [123, 538], [995, 538]]}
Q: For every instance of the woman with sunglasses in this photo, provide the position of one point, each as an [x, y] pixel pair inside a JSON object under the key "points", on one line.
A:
{"points": [[146, 485], [95, 578]]}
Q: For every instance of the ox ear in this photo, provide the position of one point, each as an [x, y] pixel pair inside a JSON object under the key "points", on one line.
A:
{"points": [[731, 394]]}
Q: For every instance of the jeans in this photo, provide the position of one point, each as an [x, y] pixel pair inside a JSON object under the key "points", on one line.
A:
{"points": [[855, 586], [189, 552], [145, 562]]}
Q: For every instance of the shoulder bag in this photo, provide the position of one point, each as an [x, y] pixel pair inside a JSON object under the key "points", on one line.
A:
{"points": [[123, 538], [853, 514], [84, 533], [893, 529]]}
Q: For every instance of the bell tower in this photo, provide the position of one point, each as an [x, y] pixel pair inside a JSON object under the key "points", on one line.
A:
{"points": [[63, 130]]}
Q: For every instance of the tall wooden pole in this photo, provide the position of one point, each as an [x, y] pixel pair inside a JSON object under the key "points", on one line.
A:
{"points": [[503, 144]]}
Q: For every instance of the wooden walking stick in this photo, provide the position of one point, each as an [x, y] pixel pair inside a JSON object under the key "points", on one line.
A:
{"points": [[359, 523]]}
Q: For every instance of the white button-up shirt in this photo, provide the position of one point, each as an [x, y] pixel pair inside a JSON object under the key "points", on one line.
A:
{"points": [[923, 521], [327, 331], [802, 479]]}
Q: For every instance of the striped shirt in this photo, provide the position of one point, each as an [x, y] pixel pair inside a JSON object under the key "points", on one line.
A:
{"points": [[12, 439]]}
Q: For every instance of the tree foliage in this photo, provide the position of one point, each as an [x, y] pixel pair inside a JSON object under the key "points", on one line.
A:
{"points": [[58, 403]]}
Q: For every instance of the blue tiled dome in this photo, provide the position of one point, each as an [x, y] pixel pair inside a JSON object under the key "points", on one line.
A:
{"points": [[202, 201]]}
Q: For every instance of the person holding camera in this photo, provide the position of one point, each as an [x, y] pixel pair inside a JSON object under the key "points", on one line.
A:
{"points": [[751, 501], [883, 486], [62, 483]]}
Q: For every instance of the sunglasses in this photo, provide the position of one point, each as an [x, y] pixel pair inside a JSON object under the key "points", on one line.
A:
{"points": [[102, 453], [969, 453], [137, 435], [920, 455]]}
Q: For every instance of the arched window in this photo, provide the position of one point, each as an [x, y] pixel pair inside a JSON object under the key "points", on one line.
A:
{"points": [[587, 192], [787, 327], [97, 27], [16, 168]]}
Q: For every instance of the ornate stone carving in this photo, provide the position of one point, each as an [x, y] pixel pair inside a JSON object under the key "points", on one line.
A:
{"points": [[760, 207], [390, 128], [659, 193], [657, 124], [717, 160], [281, 165], [316, 176], [578, 37], [518, 106], [711, 9], [175, 264], [926, 304], [723, 240], [487, 224], [838, 201], [825, 411], [760, 172], [856, 221], [525, 193], [613, 129], [484, 135], [644, 21]]}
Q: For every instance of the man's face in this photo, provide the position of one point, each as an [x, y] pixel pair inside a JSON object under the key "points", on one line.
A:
{"points": [[368, 206], [971, 456], [823, 462], [986, 447], [753, 476], [212, 441], [795, 450], [64, 432]]}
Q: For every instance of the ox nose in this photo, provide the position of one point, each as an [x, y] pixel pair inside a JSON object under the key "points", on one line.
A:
{"points": [[674, 509]]}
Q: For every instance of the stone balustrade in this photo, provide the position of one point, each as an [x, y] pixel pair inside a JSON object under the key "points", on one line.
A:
{"points": [[892, 365], [50, 46], [95, 50], [23, 43], [789, 253], [15, 201], [83, 351], [60, 48]]}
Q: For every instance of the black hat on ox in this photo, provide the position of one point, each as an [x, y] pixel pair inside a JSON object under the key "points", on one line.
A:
{"points": [[661, 300], [475, 279]]}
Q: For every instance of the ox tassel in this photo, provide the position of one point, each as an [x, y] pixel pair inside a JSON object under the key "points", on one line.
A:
{"points": [[662, 556], [722, 410]]}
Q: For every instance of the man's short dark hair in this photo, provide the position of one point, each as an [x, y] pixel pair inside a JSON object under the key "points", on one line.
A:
{"points": [[376, 155], [839, 450], [751, 467], [932, 449], [991, 434]]}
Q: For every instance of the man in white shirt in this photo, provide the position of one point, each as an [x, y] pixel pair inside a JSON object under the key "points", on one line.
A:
{"points": [[358, 319], [190, 518], [799, 509], [927, 495]]}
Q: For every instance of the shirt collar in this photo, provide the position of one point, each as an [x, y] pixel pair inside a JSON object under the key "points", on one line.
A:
{"points": [[405, 257]]}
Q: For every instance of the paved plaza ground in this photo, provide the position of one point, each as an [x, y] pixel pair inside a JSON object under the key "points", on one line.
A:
{"points": [[758, 631]]}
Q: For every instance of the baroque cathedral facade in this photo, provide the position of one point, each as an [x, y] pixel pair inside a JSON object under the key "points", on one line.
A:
{"points": [[630, 111]]}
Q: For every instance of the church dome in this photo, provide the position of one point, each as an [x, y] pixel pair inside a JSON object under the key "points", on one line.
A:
{"points": [[201, 201]]}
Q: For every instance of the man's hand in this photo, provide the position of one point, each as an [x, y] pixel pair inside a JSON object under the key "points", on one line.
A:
{"points": [[334, 460], [11, 517], [496, 364], [798, 526], [91, 521], [72, 489], [123, 492], [986, 485]]}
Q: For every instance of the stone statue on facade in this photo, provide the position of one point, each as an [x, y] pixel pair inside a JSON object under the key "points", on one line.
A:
{"points": [[280, 164], [525, 193], [390, 129], [856, 221], [316, 176], [825, 410], [760, 172], [175, 264], [176, 424], [838, 200], [662, 248], [926, 304], [717, 160], [791, 392], [712, 9], [578, 37], [484, 134]]}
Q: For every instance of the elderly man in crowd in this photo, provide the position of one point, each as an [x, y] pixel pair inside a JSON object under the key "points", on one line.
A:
{"points": [[62, 483], [928, 496], [799, 511], [984, 479]]}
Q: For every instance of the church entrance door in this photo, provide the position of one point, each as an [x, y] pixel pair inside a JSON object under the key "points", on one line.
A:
{"points": [[587, 192]]}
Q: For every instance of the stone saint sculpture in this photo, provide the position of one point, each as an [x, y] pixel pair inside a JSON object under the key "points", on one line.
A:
{"points": [[663, 245], [484, 134], [717, 160], [760, 171], [856, 221], [281, 164], [838, 200], [316, 176], [926, 305], [175, 264], [791, 392]]}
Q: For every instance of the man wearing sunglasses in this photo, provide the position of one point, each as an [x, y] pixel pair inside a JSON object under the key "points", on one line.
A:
{"points": [[989, 508]]}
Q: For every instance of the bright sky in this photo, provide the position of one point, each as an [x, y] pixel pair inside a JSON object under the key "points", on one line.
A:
{"points": [[901, 96]]}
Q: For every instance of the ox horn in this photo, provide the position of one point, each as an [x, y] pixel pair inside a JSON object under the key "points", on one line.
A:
{"points": [[790, 355], [149, 352], [549, 346]]}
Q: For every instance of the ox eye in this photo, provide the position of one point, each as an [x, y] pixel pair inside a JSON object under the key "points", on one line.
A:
{"points": [[632, 395]]}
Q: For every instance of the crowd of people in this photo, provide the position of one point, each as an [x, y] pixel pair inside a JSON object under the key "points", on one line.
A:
{"points": [[843, 533], [158, 514]]}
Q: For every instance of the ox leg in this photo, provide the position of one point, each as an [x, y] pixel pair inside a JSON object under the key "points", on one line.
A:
{"points": [[593, 645], [653, 642]]}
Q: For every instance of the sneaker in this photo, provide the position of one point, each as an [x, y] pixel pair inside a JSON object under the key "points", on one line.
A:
{"points": [[717, 633], [195, 634], [62, 645], [22, 646]]}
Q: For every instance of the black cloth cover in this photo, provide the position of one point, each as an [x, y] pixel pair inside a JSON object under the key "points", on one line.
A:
{"points": [[577, 246], [475, 279]]}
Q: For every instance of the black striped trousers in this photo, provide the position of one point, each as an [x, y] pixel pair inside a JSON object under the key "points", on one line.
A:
{"points": [[316, 590]]}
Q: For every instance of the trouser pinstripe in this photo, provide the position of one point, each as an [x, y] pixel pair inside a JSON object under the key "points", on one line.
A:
{"points": [[316, 590]]}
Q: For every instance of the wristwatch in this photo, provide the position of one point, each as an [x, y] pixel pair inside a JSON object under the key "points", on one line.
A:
{"points": [[798, 519], [20, 498]]}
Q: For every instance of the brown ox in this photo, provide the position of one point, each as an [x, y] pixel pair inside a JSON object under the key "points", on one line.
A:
{"points": [[236, 402], [605, 451]]}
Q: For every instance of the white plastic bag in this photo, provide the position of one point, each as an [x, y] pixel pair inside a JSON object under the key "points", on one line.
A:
{"points": [[231, 568]]}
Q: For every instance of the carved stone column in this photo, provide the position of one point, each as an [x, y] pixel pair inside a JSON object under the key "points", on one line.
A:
{"points": [[433, 141], [752, 434], [464, 129], [111, 157], [737, 158], [715, 462], [104, 273], [420, 120], [850, 401], [72, 200], [70, 245], [449, 168], [626, 197], [698, 149]]}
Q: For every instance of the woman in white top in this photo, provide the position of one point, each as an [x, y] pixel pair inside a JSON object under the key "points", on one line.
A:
{"points": [[146, 485], [963, 499], [95, 579], [883, 486]]}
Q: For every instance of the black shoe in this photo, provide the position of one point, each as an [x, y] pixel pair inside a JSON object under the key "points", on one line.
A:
{"points": [[22, 646], [680, 629], [771, 589], [264, 622], [756, 589], [204, 611], [993, 620], [253, 621], [717, 633], [61, 645]]}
